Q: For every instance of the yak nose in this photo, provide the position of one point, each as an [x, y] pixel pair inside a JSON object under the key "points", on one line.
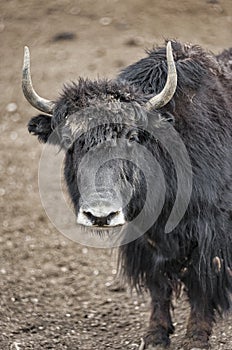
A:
{"points": [[91, 218], [100, 220]]}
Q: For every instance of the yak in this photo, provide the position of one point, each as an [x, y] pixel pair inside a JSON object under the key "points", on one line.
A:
{"points": [[177, 89]]}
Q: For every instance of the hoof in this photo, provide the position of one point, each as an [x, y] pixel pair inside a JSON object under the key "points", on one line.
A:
{"points": [[195, 345], [199, 349], [154, 342], [143, 346], [195, 349]]}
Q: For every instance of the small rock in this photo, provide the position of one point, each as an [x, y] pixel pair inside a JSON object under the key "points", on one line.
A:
{"points": [[64, 36], [5, 223], [105, 21], [142, 345], [2, 191], [34, 300], [15, 346], [85, 250], [11, 107], [218, 8], [64, 269], [134, 41], [74, 11]]}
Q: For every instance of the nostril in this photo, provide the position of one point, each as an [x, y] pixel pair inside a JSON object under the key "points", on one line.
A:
{"points": [[112, 215], [89, 215]]}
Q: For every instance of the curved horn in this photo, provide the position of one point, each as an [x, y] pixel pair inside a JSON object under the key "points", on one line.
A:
{"points": [[169, 89], [35, 100]]}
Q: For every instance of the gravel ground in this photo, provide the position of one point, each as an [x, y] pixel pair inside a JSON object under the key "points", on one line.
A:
{"points": [[57, 294]]}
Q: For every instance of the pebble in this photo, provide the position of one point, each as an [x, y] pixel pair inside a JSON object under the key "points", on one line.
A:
{"points": [[11, 107], [64, 36], [15, 346], [74, 11], [134, 41], [34, 300], [85, 250], [2, 191], [64, 269], [105, 21], [5, 223]]}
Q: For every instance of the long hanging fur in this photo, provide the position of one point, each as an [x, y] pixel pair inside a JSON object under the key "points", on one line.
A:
{"points": [[202, 108]]}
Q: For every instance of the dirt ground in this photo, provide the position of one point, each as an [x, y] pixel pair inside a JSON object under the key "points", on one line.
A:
{"points": [[55, 293]]}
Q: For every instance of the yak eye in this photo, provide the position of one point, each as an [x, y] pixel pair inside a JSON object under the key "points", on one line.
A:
{"points": [[133, 137]]}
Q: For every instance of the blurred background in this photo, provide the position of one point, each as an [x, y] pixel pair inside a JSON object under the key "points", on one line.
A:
{"points": [[56, 294]]}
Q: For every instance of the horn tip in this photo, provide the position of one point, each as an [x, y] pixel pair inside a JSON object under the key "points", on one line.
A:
{"points": [[26, 51], [26, 59]]}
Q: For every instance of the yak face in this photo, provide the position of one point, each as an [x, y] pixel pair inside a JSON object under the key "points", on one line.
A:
{"points": [[106, 168], [102, 166], [105, 179]]}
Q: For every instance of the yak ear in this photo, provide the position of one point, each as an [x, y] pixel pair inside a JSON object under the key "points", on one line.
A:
{"points": [[41, 127]]}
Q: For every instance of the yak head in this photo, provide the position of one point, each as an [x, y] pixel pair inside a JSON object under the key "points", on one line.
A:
{"points": [[102, 126]]}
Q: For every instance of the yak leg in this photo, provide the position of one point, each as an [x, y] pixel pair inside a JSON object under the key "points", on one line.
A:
{"points": [[201, 319], [199, 330], [160, 325]]}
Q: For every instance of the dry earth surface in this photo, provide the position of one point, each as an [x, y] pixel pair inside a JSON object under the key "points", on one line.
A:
{"points": [[55, 293]]}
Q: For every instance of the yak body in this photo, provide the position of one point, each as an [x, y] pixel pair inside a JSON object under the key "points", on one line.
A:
{"points": [[198, 251]]}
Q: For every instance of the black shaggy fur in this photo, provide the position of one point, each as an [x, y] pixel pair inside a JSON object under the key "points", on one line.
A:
{"points": [[202, 109], [225, 58], [198, 252]]}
